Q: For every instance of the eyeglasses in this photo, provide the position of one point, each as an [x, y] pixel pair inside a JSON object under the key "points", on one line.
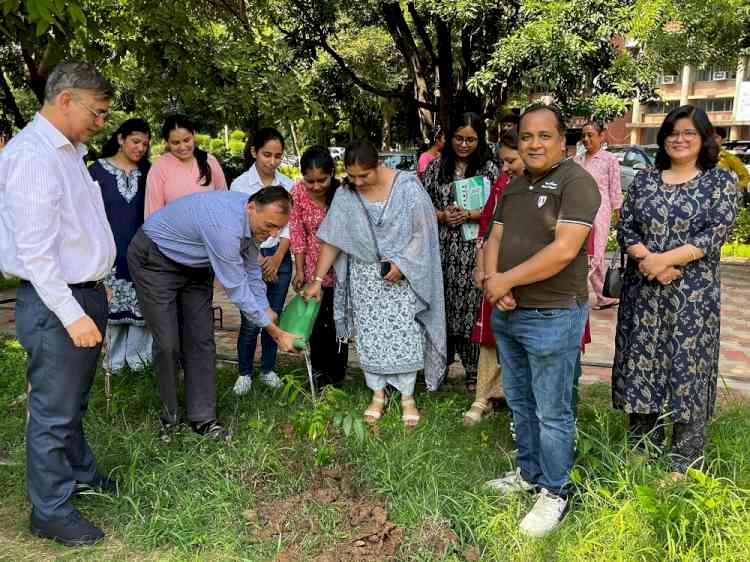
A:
{"points": [[467, 141], [688, 135], [103, 114]]}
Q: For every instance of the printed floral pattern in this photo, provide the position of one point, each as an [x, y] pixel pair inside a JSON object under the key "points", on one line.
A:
{"points": [[667, 342]]}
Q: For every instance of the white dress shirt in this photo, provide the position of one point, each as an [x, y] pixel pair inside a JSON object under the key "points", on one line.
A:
{"points": [[53, 227], [250, 183]]}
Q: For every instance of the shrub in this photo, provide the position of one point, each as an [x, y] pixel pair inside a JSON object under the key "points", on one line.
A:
{"points": [[741, 232], [236, 147], [237, 135]]}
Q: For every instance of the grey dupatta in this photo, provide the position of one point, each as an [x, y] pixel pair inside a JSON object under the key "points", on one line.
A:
{"points": [[407, 236]]}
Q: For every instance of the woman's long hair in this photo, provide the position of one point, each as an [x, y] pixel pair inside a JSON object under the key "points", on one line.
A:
{"points": [[178, 121], [127, 128], [708, 156], [476, 160], [319, 158]]}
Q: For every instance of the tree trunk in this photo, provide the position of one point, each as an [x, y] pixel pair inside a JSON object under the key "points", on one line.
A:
{"points": [[9, 101], [295, 143], [445, 73], [389, 110]]}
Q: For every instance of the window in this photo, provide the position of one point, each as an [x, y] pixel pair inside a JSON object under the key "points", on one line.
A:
{"points": [[662, 106], [710, 73], [714, 104]]}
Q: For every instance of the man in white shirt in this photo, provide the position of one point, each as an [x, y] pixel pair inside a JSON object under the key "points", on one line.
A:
{"points": [[55, 237]]}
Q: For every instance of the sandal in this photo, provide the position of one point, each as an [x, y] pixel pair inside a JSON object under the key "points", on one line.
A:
{"points": [[475, 412], [410, 420], [371, 415]]}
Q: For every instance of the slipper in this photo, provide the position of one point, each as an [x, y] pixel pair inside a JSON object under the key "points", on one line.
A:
{"points": [[475, 412], [410, 420], [372, 416]]}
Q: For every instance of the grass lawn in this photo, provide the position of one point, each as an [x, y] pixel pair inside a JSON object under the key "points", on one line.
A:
{"points": [[301, 483]]}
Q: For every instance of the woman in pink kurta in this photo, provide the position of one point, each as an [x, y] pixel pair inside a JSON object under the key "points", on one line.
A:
{"points": [[605, 169], [183, 169], [311, 198]]}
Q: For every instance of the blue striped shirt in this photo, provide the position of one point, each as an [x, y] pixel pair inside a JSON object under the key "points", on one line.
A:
{"points": [[213, 230]]}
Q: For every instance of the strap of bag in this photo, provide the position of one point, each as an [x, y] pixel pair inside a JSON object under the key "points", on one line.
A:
{"points": [[369, 222]]}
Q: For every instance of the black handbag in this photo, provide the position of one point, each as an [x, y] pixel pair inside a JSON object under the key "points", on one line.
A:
{"points": [[614, 276]]}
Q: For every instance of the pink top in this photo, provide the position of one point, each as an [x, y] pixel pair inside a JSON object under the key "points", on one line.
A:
{"points": [[424, 161], [169, 179], [304, 221]]}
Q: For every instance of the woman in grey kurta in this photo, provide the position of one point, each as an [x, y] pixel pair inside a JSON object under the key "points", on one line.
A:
{"points": [[674, 222], [398, 321]]}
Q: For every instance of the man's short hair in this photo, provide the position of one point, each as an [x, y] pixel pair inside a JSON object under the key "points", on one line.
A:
{"points": [[77, 76], [274, 194], [544, 107]]}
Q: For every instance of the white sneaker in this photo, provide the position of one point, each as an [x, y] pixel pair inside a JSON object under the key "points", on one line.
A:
{"points": [[242, 385], [271, 379], [511, 483], [545, 516]]}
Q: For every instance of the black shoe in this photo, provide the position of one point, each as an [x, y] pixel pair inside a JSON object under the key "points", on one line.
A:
{"points": [[72, 530], [101, 484], [211, 429]]}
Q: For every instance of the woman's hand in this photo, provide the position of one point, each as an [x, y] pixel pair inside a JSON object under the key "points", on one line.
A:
{"points": [[394, 275], [299, 277], [652, 265], [270, 266], [668, 275], [455, 216], [638, 251], [312, 291]]}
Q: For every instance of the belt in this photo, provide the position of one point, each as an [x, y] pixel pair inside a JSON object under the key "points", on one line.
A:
{"points": [[84, 285]]}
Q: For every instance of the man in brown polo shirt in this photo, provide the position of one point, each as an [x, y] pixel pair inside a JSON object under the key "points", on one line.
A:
{"points": [[537, 249]]}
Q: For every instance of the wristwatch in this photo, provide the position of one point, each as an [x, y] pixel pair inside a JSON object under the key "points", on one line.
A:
{"points": [[318, 279]]}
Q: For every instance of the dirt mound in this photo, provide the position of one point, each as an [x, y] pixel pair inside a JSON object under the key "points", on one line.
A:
{"points": [[362, 522]]}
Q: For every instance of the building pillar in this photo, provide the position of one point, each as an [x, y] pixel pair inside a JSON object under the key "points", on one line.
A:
{"points": [[688, 75], [735, 132], [636, 120]]}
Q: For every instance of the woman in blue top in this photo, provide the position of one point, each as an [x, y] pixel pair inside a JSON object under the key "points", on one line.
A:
{"points": [[121, 173]]}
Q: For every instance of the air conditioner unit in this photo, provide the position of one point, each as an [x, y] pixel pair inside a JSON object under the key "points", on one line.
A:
{"points": [[668, 79], [720, 75]]}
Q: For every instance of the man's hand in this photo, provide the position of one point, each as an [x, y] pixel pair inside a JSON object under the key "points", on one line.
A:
{"points": [[109, 295], [394, 274], [84, 332], [479, 278], [284, 340], [312, 291], [270, 267], [652, 265], [507, 302], [496, 287]]}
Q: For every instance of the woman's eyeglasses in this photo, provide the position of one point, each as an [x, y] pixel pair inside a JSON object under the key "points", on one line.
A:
{"points": [[688, 135], [466, 141]]}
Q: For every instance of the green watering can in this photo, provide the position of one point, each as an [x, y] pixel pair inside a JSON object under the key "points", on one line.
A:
{"points": [[298, 318]]}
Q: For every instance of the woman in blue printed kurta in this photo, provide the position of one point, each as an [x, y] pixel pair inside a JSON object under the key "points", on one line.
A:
{"points": [[674, 222]]}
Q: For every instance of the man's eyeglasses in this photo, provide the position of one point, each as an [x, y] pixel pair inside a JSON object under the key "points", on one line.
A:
{"points": [[467, 141], [103, 114], [688, 135]]}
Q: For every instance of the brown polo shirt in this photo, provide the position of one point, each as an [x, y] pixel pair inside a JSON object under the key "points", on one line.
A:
{"points": [[529, 213]]}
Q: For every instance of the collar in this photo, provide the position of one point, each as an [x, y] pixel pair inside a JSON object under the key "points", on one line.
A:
{"points": [[55, 136], [554, 167], [253, 178]]}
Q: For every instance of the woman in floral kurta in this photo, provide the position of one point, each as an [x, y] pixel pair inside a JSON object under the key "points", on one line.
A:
{"points": [[673, 225], [465, 155]]}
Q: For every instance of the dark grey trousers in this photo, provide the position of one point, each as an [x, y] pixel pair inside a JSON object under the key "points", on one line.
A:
{"points": [[167, 291], [60, 377]]}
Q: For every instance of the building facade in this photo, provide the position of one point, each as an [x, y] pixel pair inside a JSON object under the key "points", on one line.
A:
{"points": [[723, 92]]}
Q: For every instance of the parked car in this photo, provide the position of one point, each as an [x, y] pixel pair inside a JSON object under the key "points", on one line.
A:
{"points": [[337, 152], [633, 159], [403, 160]]}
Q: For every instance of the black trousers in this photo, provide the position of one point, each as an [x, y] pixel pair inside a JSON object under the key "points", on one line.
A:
{"points": [[328, 358], [177, 304], [688, 438], [60, 376]]}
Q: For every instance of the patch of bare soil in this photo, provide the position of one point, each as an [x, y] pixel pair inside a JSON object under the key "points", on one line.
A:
{"points": [[364, 533]]}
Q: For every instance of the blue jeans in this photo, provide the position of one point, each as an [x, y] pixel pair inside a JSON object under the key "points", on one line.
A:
{"points": [[538, 349], [248, 337]]}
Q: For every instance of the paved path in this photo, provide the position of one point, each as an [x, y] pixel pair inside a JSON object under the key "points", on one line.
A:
{"points": [[734, 363]]}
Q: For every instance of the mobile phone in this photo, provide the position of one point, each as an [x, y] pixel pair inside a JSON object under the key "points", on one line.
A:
{"points": [[385, 267]]}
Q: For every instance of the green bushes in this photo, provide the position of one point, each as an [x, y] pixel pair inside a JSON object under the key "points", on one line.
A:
{"points": [[741, 232]]}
